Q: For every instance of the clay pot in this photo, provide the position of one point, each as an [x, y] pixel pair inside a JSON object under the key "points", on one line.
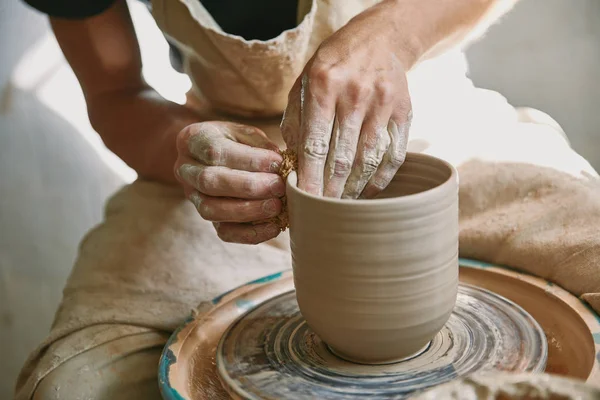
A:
{"points": [[377, 279]]}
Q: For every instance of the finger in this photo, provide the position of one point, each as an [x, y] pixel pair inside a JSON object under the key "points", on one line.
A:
{"points": [[251, 136], [246, 233], [226, 182], [218, 145], [344, 141], [317, 117], [372, 146], [218, 209], [392, 161], [290, 123]]}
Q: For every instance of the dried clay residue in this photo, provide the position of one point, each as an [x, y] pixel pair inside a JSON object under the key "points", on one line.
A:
{"points": [[289, 164]]}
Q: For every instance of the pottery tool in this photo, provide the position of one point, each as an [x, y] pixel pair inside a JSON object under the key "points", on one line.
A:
{"points": [[252, 343]]}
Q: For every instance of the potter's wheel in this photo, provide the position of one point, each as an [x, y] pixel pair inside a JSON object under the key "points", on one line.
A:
{"points": [[271, 353], [261, 316]]}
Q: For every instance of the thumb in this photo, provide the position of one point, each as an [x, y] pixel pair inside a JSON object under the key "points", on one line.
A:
{"points": [[251, 136]]}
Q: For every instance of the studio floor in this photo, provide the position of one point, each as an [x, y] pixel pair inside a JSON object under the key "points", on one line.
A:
{"points": [[52, 191]]}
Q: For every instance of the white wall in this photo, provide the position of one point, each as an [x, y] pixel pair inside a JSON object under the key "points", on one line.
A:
{"points": [[546, 54]]}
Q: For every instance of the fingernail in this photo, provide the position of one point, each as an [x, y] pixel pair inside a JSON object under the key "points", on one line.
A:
{"points": [[277, 187], [275, 167], [269, 208]]}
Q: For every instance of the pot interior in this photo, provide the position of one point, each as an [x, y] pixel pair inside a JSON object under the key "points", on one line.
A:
{"points": [[418, 173]]}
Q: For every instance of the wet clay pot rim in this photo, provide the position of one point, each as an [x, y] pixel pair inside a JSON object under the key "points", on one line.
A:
{"points": [[410, 199]]}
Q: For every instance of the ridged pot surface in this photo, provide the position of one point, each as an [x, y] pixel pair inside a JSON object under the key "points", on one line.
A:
{"points": [[377, 279]]}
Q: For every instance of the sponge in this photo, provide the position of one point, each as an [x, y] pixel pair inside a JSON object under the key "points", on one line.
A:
{"points": [[289, 164]]}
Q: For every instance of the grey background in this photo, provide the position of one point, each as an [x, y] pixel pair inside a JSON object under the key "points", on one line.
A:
{"points": [[545, 54]]}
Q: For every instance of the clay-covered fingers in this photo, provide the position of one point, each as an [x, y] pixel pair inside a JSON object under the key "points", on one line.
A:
{"points": [[372, 146], [393, 158], [230, 173], [318, 102], [227, 182], [342, 152], [230, 145], [217, 209], [344, 120], [246, 233]]}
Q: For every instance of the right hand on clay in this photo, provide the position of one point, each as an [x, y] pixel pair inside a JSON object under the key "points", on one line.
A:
{"points": [[229, 172]]}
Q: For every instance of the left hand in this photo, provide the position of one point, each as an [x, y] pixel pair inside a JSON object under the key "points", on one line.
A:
{"points": [[349, 112]]}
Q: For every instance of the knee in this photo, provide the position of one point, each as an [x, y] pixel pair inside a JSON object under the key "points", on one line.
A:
{"points": [[124, 368]]}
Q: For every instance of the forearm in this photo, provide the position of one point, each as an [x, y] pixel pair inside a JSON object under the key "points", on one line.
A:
{"points": [[427, 28], [134, 121], [141, 127]]}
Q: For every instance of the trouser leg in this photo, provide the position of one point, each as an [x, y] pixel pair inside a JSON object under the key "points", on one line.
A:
{"points": [[137, 277]]}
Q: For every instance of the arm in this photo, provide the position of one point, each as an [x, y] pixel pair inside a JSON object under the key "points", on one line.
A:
{"points": [[427, 28], [134, 121], [349, 112], [228, 171]]}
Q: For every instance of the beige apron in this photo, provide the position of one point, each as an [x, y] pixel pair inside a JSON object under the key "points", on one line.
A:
{"points": [[141, 272], [249, 78], [249, 81]]}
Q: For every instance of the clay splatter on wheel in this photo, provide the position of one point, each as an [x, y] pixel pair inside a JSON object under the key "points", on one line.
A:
{"points": [[188, 367], [272, 353]]}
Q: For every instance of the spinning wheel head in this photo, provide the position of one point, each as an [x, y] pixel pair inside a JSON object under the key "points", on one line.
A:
{"points": [[485, 333], [272, 353]]}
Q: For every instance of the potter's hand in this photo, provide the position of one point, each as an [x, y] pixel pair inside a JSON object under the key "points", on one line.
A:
{"points": [[349, 113], [229, 172]]}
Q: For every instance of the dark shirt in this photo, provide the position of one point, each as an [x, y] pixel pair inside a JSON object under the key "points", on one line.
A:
{"points": [[250, 19]]}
